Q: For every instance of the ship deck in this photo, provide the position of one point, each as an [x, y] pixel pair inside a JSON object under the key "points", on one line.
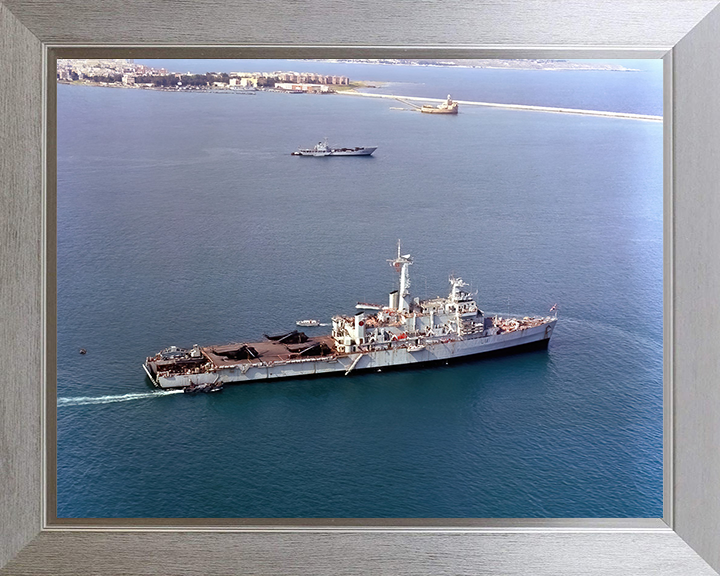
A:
{"points": [[267, 351]]}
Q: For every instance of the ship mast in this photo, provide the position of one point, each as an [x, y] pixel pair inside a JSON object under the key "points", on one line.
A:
{"points": [[401, 263], [456, 294]]}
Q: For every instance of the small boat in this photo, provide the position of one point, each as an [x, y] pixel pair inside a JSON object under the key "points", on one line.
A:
{"points": [[323, 149], [194, 388], [366, 306], [205, 387], [447, 107], [308, 323]]}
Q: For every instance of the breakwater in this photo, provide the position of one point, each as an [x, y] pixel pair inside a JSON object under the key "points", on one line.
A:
{"points": [[646, 117]]}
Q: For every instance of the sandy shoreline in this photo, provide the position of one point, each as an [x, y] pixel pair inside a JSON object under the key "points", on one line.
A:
{"points": [[646, 117]]}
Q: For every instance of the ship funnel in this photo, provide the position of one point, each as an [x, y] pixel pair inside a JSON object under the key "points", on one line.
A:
{"points": [[360, 328], [394, 299]]}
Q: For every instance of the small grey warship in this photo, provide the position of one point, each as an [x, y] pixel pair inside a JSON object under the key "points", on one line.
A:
{"points": [[323, 149], [406, 332]]}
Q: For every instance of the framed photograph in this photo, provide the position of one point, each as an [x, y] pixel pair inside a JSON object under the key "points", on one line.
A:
{"points": [[529, 156], [400, 533]]}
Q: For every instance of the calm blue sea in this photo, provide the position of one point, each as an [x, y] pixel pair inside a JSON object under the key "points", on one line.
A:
{"points": [[183, 219]]}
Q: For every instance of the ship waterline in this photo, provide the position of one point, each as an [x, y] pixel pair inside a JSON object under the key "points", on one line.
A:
{"points": [[405, 333]]}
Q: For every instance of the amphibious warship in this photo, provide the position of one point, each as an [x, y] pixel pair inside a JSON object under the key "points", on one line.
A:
{"points": [[405, 332]]}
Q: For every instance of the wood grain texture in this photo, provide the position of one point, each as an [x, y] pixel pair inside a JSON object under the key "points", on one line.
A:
{"points": [[343, 22], [20, 282], [397, 554], [697, 269]]}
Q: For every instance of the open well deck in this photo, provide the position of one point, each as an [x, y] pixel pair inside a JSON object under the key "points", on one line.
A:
{"points": [[268, 351]]}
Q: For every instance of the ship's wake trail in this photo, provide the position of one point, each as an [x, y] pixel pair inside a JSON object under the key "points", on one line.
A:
{"points": [[84, 400]]}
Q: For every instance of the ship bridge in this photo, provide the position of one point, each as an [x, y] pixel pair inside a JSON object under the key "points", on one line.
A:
{"points": [[404, 320]]}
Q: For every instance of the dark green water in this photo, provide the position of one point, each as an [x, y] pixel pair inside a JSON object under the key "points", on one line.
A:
{"points": [[183, 219]]}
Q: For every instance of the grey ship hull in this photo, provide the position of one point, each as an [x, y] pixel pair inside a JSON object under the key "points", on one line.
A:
{"points": [[433, 350]]}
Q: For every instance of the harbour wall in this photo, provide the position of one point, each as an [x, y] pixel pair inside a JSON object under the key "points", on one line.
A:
{"points": [[646, 117]]}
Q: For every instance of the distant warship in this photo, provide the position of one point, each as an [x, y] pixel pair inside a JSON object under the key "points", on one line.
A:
{"points": [[322, 149]]}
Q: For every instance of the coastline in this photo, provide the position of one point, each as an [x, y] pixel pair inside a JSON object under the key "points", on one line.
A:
{"points": [[400, 98], [626, 115]]}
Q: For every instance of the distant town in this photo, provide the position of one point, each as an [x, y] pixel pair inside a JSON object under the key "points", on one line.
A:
{"points": [[129, 74]]}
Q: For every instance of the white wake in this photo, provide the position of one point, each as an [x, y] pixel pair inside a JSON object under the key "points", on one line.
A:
{"points": [[83, 400]]}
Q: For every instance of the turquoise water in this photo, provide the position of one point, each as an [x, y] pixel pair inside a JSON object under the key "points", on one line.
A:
{"points": [[183, 219]]}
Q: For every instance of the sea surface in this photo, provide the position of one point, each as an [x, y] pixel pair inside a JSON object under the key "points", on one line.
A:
{"points": [[636, 92], [183, 219]]}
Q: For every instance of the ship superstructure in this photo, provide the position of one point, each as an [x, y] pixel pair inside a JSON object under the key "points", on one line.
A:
{"points": [[405, 332]]}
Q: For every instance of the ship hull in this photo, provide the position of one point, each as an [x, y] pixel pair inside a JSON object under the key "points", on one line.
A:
{"points": [[435, 351], [439, 111]]}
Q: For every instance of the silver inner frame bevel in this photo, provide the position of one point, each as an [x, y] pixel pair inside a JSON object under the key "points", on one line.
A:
{"points": [[51, 52]]}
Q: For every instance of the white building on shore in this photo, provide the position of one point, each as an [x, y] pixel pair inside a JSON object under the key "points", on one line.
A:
{"points": [[292, 87]]}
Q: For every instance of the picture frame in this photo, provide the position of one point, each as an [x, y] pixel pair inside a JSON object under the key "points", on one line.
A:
{"points": [[685, 541]]}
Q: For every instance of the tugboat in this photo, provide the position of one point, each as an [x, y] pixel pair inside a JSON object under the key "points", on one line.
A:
{"points": [[447, 107], [322, 149], [406, 331]]}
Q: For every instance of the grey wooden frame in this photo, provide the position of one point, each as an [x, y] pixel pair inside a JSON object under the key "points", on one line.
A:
{"points": [[686, 541]]}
